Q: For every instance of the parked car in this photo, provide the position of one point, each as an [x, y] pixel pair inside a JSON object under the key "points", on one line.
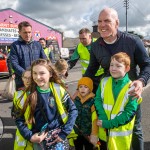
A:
{"points": [[3, 65], [71, 51]]}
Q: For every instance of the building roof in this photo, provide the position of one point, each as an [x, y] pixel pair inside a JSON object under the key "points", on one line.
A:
{"points": [[30, 18], [70, 42]]}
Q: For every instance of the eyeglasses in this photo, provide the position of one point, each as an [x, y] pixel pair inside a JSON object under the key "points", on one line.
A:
{"points": [[27, 78]]}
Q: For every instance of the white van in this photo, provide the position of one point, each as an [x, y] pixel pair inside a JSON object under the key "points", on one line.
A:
{"points": [[64, 53]]}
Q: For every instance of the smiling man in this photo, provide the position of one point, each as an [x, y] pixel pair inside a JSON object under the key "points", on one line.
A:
{"points": [[82, 52], [111, 42], [24, 51]]}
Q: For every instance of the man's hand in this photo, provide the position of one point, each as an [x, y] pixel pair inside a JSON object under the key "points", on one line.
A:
{"points": [[137, 90]]}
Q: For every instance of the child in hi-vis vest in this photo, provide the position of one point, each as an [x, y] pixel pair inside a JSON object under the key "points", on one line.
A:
{"points": [[18, 102], [47, 101], [115, 107]]}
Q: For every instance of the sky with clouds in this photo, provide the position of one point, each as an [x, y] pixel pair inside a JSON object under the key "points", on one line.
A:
{"points": [[69, 16]]}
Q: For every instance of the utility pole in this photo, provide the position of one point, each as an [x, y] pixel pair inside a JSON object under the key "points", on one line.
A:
{"points": [[126, 5]]}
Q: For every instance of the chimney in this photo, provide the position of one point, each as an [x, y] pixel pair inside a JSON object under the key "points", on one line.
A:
{"points": [[95, 33], [95, 28]]}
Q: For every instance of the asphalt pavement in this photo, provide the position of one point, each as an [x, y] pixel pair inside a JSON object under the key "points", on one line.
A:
{"points": [[8, 137]]}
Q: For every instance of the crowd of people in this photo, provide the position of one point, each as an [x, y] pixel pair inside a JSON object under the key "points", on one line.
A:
{"points": [[103, 114]]}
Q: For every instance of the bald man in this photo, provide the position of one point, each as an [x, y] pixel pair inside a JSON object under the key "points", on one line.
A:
{"points": [[111, 42]]}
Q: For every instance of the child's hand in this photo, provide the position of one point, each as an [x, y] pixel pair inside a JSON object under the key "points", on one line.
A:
{"points": [[38, 139], [99, 123], [57, 139], [93, 139]]}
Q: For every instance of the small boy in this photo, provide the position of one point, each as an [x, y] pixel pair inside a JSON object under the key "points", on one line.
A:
{"points": [[115, 107], [85, 125]]}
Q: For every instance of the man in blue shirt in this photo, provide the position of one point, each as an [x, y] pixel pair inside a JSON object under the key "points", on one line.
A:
{"points": [[24, 51]]}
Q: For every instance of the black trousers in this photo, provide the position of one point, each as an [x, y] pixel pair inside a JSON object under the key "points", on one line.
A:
{"points": [[81, 142], [103, 145]]}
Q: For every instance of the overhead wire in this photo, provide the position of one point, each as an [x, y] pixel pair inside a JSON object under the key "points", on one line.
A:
{"points": [[118, 6], [134, 6]]}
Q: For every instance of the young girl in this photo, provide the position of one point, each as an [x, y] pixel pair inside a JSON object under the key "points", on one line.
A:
{"points": [[85, 126], [61, 67], [18, 102], [47, 101]]}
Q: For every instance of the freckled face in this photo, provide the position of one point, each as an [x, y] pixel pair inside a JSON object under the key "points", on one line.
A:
{"points": [[117, 69]]}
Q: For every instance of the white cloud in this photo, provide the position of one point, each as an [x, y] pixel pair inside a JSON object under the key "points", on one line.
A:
{"points": [[70, 16]]}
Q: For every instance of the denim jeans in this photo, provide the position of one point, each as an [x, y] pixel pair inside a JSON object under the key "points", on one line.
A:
{"points": [[137, 138]]}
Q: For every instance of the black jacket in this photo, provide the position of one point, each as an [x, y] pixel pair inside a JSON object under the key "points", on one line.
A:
{"points": [[128, 43]]}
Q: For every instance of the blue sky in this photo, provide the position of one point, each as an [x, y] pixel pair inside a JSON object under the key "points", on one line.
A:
{"points": [[69, 16]]}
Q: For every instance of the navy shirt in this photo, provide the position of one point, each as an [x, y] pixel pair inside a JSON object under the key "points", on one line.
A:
{"points": [[47, 101], [46, 111]]}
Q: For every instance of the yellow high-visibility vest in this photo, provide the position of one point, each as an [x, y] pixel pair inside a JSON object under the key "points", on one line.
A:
{"points": [[85, 59], [118, 138], [21, 143], [59, 92], [47, 52]]}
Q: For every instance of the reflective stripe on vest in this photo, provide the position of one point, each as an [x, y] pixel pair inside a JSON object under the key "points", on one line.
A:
{"points": [[110, 105], [119, 138], [103, 82], [17, 101], [20, 103], [59, 92], [85, 58], [21, 143], [121, 133]]}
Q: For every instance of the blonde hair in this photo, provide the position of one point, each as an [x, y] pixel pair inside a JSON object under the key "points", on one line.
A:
{"points": [[122, 58], [60, 65]]}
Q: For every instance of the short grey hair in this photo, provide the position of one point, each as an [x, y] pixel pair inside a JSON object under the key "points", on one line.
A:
{"points": [[113, 12]]}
